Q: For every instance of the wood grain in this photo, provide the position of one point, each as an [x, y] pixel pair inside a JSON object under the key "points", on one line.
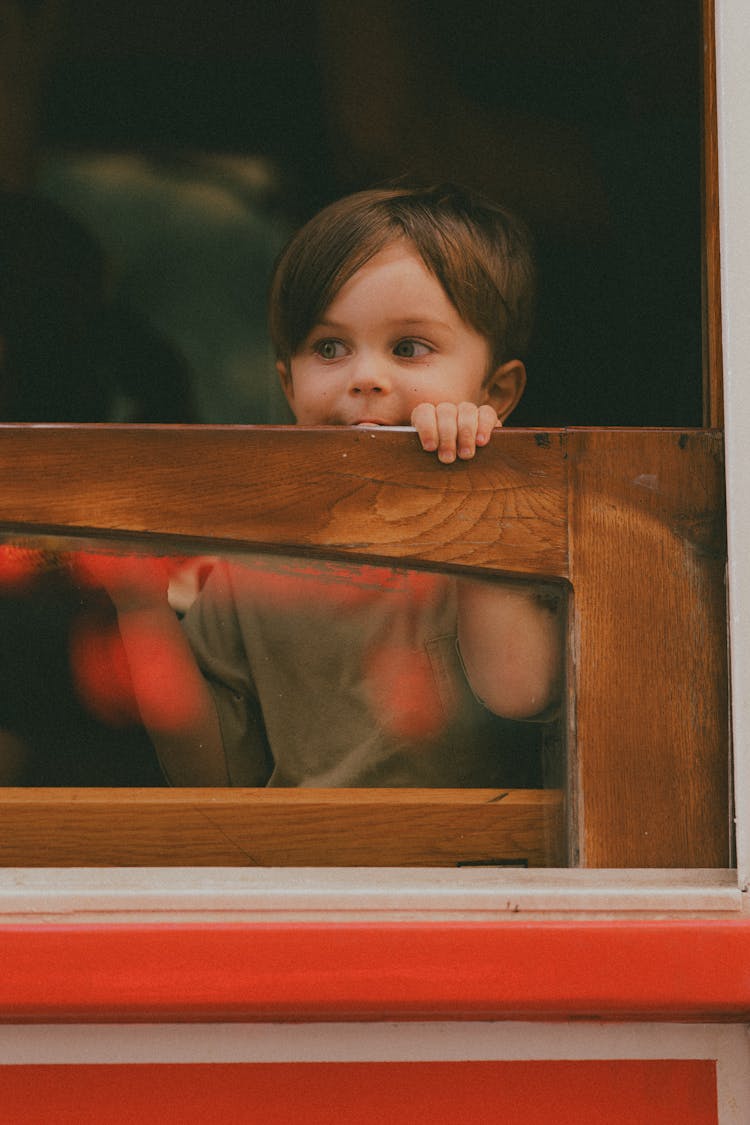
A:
{"points": [[357, 492], [281, 827], [649, 649]]}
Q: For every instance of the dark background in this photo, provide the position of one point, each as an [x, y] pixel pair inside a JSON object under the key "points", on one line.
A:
{"points": [[583, 116]]}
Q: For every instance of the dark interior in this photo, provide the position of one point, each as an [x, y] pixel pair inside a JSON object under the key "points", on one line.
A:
{"points": [[585, 117]]}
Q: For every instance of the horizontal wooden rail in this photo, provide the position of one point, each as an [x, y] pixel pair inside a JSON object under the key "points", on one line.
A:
{"points": [[360, 492], [281, 827]]}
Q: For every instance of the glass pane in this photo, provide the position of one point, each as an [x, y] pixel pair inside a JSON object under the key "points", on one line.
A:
{"points": [[324, 673]]}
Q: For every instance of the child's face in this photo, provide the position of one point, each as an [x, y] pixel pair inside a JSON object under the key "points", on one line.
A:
{"points": [[390, 340]]}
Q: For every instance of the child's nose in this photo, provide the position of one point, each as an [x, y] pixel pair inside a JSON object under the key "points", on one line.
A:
{"points": [[369, 377]]}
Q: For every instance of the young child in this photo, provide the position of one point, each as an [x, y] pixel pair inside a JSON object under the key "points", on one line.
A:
{"points": [[389, 308]]}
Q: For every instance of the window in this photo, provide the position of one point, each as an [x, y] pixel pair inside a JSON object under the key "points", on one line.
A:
{"points": [[630, 521], [631, 786]]}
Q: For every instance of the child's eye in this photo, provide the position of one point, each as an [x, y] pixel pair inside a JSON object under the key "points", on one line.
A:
{"points": [[329, 349], [409, 349]]}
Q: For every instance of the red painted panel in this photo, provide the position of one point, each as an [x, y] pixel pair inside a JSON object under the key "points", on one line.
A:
{"points": [[620, 1092], [529, 970]]}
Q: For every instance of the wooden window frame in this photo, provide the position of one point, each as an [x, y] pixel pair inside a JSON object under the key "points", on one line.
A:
{"points": [[581, 891], [631, 520]]}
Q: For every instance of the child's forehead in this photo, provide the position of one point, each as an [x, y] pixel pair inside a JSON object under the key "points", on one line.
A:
{"points": [[398, 255]]}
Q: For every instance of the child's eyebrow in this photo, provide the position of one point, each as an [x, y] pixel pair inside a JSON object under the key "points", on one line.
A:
{"points": [[406, 323]]}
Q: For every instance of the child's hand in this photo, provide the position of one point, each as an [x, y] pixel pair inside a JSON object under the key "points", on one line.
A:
{"points": [[453, 429]]}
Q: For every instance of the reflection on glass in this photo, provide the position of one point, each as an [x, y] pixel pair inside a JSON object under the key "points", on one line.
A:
{"points": [[268, 670]]}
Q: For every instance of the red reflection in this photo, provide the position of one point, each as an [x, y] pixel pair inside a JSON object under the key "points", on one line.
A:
{"points": [[161, 671], [402, 692], [100, 671], [18, 568], [146, 682], [141, 576]]}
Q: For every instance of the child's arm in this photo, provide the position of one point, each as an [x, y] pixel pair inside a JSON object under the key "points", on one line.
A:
{"points": [[173, 699], [509, 637]]}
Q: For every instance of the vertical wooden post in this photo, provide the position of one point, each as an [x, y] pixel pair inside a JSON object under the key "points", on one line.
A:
{"points": [[651, 745]]}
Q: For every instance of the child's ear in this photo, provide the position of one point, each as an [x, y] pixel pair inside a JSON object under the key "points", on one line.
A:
{"points": [[285, 375], [505, 386]]}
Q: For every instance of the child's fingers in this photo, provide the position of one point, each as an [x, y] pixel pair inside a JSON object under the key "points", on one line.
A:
{"points": [[453, 429], [487, 421], [424, 421], [447, 422], [468, 419]]}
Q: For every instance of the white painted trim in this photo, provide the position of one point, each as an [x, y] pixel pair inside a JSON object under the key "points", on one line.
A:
{"points": [[391, 1042], [733, 1078], [362, 1042], [733, 106], [348, 894]]}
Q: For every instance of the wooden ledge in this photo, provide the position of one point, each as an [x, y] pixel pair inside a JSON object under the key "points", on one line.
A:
{"points": [[281, 827]]}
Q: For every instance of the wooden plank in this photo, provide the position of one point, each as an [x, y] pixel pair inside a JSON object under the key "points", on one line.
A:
{"points": [[647, 559], [281, 827], [350, 491]]}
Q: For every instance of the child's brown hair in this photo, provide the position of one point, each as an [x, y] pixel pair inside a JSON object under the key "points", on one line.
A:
{"points": [[479, 252]]}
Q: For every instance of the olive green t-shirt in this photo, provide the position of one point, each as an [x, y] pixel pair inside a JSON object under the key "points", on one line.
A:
{"points": [[331, 675]]}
